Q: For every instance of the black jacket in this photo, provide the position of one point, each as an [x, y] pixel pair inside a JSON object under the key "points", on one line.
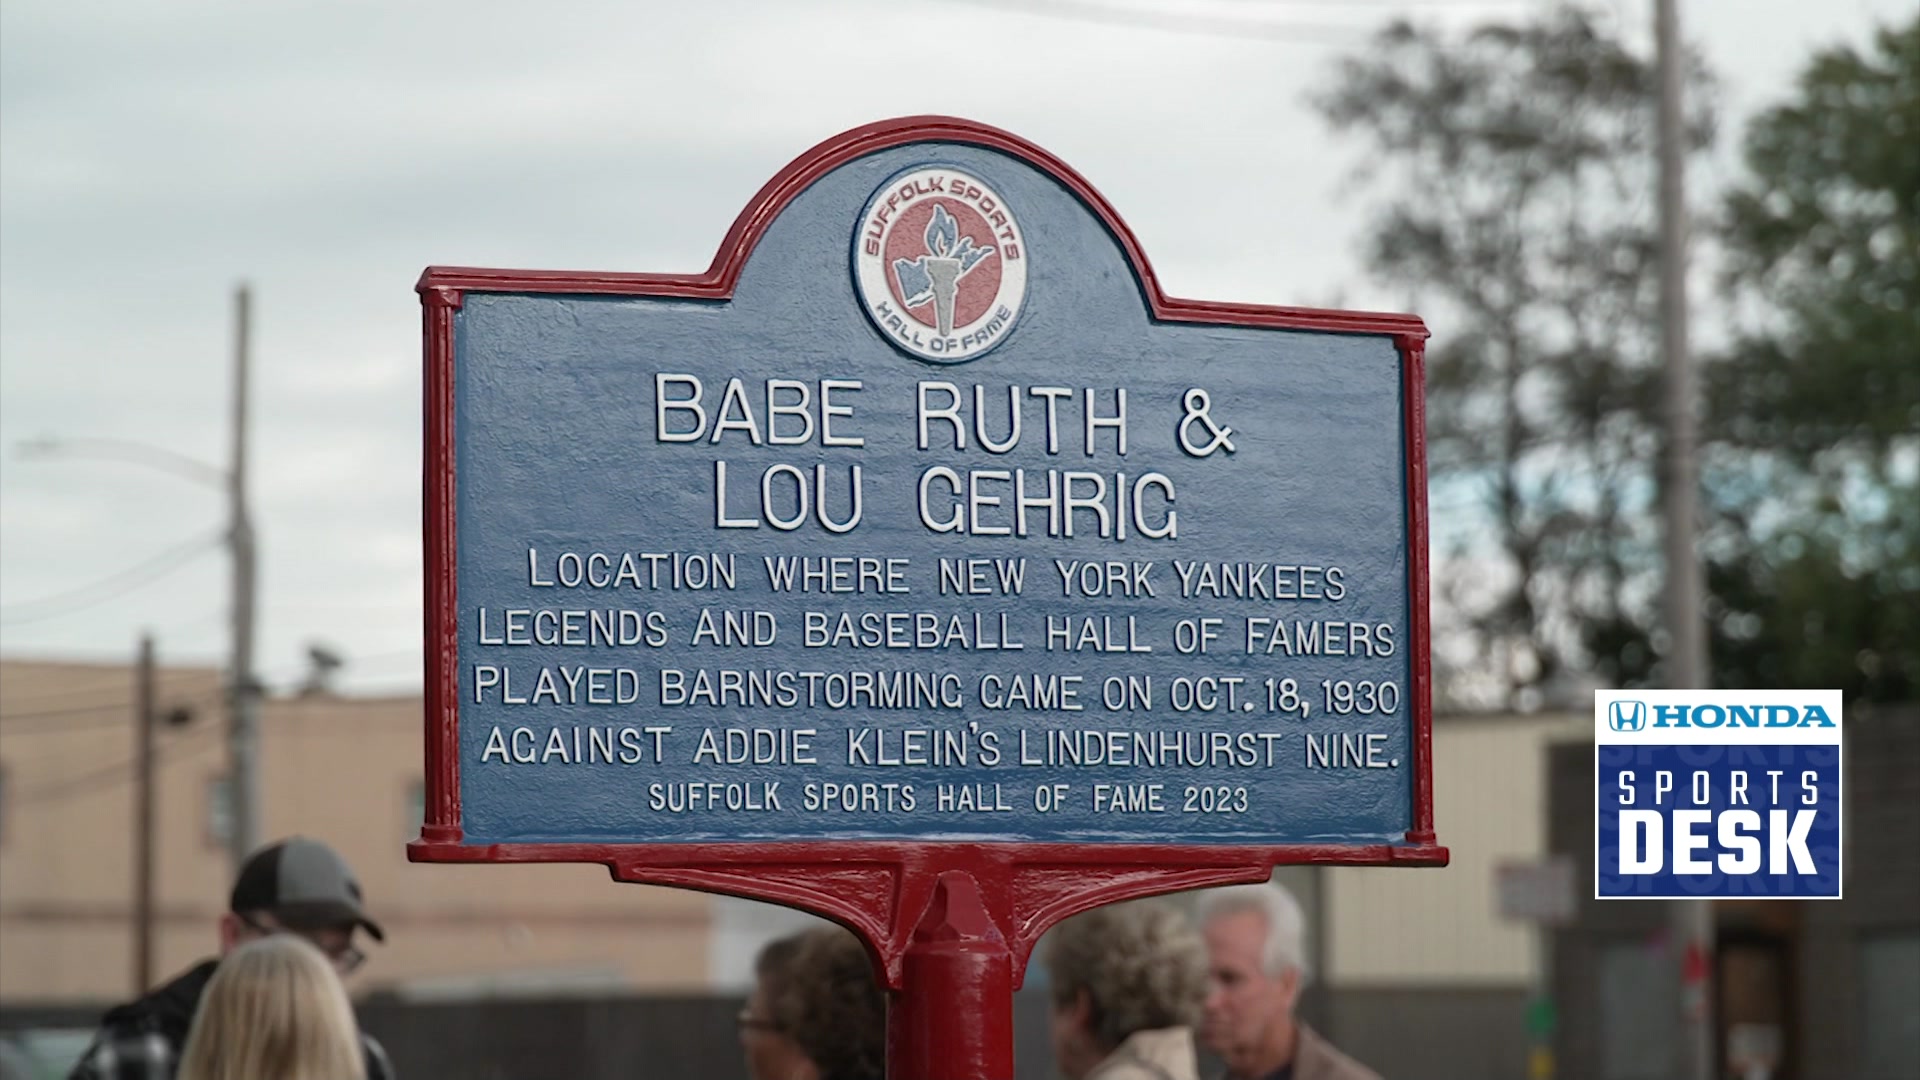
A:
{"points": [[142, 1040]]}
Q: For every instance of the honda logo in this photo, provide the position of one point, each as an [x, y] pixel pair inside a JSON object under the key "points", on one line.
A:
{"points": [[1627, 715]]}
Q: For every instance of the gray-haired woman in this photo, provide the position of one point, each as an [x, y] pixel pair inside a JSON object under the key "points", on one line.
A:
{"points": [[1128, 982]]}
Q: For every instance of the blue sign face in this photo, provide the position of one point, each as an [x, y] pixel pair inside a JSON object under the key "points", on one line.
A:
{"points": [[930, 532]]}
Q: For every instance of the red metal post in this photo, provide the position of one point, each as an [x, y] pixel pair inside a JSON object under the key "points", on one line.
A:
{"points": [[442, 818], [1413, 350], [952, 1018]]}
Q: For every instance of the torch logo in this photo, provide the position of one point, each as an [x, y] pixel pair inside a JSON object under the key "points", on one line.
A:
{"points": [[940, 264]]}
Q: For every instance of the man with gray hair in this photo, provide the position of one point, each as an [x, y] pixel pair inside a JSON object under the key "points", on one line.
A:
{"points": [[1256, 966]]}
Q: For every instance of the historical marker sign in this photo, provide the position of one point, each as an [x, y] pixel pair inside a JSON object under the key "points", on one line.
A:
{"points": [[922, 532]]}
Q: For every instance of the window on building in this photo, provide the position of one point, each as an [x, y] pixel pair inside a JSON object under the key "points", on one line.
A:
{"points": [[416, 807], [1637, 1012], [1890, 1006], [219, 811]]}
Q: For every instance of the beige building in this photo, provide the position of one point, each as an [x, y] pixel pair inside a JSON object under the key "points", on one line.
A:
{"points": [[348, 770], [1441, 927], [345, 770]]}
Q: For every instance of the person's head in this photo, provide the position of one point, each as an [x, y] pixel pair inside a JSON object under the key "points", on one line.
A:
{"points": [[274, 1008], [1256, 966], [816, 1012], [772, 1053], [302, 887], [1117, 970]]}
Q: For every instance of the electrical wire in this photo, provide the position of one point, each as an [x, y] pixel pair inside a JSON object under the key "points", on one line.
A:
{"points": [[1428, 4], [114, 585], [45, 704], [21, 720], [9, 719], [118, 714], [1234, 24], [164, 683], [1089, 11], [108, 776], [114, 677]]}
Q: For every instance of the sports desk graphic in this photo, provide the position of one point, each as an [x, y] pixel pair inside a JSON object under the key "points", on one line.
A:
{"points": [[923, 516], [1718, 793]]}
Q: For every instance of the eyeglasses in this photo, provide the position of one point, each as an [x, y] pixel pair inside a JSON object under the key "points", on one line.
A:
{"points": [[746, 1021], [346, 958]]}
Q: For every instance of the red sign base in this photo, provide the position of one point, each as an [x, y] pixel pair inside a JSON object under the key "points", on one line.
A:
{"points": [[950, 926]]}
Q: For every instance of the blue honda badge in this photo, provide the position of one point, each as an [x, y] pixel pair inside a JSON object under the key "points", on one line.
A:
{"points": [[1717, 793]]}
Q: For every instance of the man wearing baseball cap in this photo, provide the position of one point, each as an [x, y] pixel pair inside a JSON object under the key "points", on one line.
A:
{"points": [[297, 886]]}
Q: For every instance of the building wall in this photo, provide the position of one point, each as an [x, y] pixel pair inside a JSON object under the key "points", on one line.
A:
{"points": [[1438, 927], [66, 822], [1423, 977], [346, 771], [1859, 958]]}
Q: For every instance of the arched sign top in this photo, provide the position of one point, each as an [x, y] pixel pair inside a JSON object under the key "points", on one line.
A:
{"points": [[943, 568], [718, 280]]}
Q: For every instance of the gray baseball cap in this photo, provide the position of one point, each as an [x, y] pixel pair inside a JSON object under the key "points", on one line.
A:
{"points": [[305, 884]]}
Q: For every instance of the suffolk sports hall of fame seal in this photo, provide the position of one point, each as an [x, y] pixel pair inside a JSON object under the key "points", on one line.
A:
{"points": [[940, 263]]}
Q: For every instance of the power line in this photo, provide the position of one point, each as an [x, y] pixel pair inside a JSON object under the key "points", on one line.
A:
{"points": [[28, 717], [114, 585], [208, 619], [119, 714], [107, 776], [1237, 25], [378, 659], [34, 705], [1429, 4], [113, 677], [28, 727], [120, 771], [80, 710], [72, 710], [1089, 11]]}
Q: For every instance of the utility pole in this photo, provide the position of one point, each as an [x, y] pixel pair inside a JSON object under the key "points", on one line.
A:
{"points": [[243, 691], [143, 721], [1692, 920]]}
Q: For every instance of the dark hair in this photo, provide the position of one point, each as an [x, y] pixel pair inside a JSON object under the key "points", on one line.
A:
{"points": [[774, 964], [822, 994]]}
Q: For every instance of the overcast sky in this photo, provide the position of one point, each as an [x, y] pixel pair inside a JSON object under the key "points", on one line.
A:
{"points": [[151, 156]]}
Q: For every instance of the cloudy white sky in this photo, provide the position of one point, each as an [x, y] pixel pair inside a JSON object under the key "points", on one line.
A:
{"points": [[153, 155]]}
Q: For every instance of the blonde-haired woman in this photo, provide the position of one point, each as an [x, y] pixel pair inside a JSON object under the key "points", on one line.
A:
{"points": [[275, 1010], [1128, 984]]}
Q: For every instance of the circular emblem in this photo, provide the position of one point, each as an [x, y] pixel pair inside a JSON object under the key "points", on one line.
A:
{"points": [[940, 264]]}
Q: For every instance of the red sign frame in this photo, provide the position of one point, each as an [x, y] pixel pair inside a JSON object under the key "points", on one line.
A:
{"points": [[981, 906]]}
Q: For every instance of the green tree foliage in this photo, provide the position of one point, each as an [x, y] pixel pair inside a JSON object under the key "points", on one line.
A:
{"points": [[1815, 414], [1518, 166], [1516, 169]]}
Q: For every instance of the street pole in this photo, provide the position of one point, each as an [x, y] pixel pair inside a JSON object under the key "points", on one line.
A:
{"points": [[1691, 920], [143, 720], [244, 696]]}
